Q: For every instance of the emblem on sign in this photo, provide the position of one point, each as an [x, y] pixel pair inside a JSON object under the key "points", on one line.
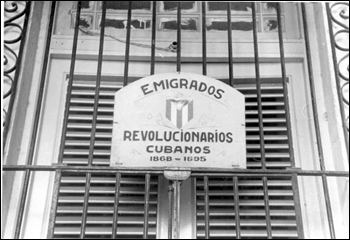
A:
{"points": [[179, 112]]}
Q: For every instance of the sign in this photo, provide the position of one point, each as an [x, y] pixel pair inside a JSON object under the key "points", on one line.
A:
{"points": [[179, 120]]}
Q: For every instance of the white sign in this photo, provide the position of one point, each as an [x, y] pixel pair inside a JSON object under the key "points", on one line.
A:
{"points": [[179, 120]]}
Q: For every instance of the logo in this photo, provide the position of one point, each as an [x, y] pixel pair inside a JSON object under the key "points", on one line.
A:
{"points": [[179, 112]]}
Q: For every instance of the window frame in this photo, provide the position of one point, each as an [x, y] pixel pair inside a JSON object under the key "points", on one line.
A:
{"points": [[34, 92]]}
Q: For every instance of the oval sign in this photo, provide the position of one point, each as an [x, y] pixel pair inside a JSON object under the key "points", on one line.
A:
{"points": [[179, 120]]}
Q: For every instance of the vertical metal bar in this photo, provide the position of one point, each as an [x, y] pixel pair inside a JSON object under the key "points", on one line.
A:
{"points": [[24, 193], [18, 71], [267, 208], [312, 89], [94, 121], [261, 124], [285, 86], [98, 85], [116, 206], [153, 49], [55, 196], [85, 206], [204, 39], [195, 207], [337, 74], [41, 87], [316, 122], [229, 41], [328, 206], [288, 117], [206, 208], [170, 209], [127, 46], [176, 209], [178, 56], [258, 88], [297, 206], [70, 83], [146, 207], [22, 204], [237, 215]]}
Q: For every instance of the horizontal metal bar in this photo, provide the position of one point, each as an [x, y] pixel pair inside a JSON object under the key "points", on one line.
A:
{"points": [[108, 57], [195, 172]]}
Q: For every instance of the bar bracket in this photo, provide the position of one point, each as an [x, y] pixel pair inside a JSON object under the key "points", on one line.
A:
{"points": [[177, 175]]}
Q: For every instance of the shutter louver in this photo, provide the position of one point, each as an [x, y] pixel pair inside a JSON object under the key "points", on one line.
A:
{"points": [[102, 192], [252, 213]]}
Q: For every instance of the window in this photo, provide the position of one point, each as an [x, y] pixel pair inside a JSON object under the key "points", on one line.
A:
{"points": [[254, 203], [191, 24], [132, 187]]}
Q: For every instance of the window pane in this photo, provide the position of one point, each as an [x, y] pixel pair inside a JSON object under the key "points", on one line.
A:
{"points": [[171, 7], [190, 24]]}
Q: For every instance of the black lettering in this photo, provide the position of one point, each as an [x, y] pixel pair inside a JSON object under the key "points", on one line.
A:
{"points": [[211, 90], [194, 84], [211, 137], [158, 138], [159, 149], [167, 138], [176, 85], [222, 137], [175, 138], [183, 83], [151, 136], [188, 149], [187, 136], [135, 136], [160, 84], [145, 89], [229, 138], [167, 83], [178, 149], [197, 149], [148, 148], [195, 137], [202, 87], [206, 150], [218, 94], [203, 137], [168, 149], [127, 135], [144, 135]]}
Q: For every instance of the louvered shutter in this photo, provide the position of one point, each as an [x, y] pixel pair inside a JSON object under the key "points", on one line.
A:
{"points": [[102, 192], [221, 192], [250, 189]]}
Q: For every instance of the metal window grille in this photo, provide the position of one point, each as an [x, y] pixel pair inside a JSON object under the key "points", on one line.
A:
{"points": [[98, 197]]}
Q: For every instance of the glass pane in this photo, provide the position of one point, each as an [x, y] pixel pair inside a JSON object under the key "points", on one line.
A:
{"points": [[238, 24], [85, 20], [85, 5], [270, 24], [120, 22], [270, 7], [239, 7], [171, 7], [123, 5], [190, 24]]}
